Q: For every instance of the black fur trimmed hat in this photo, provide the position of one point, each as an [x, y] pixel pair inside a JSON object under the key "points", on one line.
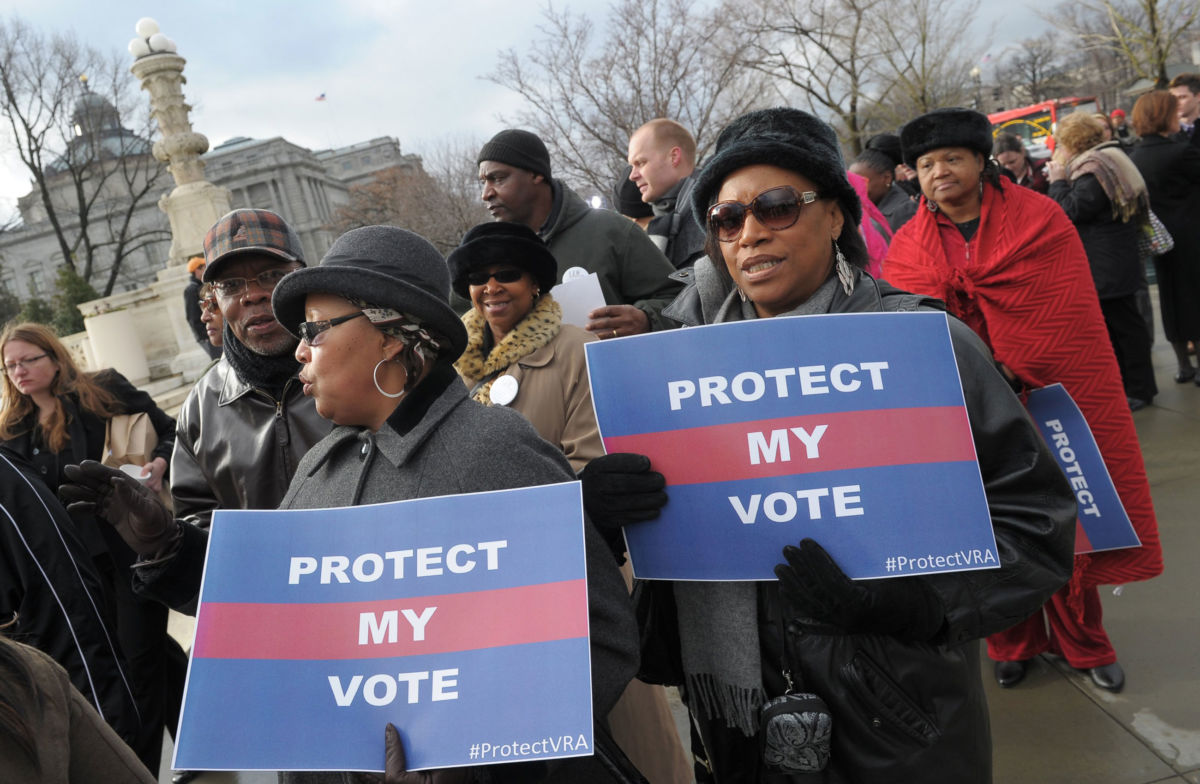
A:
{"points": [[946, 128], [788, 138], [502, 242]]}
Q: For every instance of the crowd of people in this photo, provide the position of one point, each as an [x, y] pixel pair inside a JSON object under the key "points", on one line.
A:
{"points": [[388, 372]]}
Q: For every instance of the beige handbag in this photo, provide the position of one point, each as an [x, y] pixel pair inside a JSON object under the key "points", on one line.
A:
{"points": [[130, 438]]}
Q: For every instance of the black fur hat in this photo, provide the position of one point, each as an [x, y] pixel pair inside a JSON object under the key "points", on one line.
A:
{"points": [[502, 242], [788, 138], [946, 128]]}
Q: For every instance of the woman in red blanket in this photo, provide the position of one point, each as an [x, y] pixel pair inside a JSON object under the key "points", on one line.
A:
{"points": [[1009, 263]]}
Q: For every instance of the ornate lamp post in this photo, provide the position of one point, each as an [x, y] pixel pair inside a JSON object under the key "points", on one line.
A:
{"points": [[195, 204]]}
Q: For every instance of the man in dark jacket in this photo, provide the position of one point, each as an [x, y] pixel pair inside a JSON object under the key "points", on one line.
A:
{"points": [[662, 157], [245, 425], [514, 172], [1186, 89]]}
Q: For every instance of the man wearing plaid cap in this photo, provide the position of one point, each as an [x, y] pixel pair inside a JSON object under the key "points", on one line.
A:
{"points": [[246, 423]]}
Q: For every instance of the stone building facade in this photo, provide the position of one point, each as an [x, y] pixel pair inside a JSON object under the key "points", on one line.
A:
{"points": [[304, 186]]}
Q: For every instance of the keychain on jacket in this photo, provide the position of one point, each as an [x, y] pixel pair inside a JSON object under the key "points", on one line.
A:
{"points": [[795, 727]]}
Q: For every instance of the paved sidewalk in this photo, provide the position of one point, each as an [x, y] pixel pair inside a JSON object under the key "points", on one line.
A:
{"points": [[1056, 727]]}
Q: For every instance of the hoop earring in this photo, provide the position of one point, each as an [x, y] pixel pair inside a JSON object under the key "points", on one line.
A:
{"points": [[844, 273], [375, 378], [930, 204]]}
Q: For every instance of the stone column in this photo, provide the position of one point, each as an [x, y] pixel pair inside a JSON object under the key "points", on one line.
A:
{"points": [[195, 204]]}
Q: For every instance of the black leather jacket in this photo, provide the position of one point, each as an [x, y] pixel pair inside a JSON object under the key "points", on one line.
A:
{"points": [[916, 711], [237, 446]]}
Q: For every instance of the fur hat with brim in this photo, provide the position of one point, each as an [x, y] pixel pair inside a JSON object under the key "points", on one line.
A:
{"points": [[502, 242], [385, 266], [946, 128], [787, 138]]}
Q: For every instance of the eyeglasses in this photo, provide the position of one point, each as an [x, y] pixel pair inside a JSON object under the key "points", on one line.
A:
{"points": [[507, 275], [11, 367], [776, 208], [313, 332], [267, 281]]}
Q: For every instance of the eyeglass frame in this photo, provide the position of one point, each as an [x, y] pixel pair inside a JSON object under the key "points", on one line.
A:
{"points": [[23, 364], [803, 198], [310, 332], [245, 282]]}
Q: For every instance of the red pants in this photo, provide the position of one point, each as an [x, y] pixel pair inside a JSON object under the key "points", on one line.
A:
{"points": [[1084, 645]]}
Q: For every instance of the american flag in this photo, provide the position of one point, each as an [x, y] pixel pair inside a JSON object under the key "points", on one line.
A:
{"points": [[321, 97]]}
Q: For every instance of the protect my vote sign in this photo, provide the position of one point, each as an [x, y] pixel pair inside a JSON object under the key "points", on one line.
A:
{"points": [[849, 429], [462, 620], [1103, 523]]}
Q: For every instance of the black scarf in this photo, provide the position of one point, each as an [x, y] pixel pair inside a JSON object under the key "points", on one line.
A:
{"points": [[268, 373]]}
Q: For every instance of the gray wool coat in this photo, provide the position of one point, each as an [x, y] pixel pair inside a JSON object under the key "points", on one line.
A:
{"points": [[440, 442]]}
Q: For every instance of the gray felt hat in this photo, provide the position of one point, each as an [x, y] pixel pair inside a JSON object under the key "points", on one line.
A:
{"points": [[383, 265]]}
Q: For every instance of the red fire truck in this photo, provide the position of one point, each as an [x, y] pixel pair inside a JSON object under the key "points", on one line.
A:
{"points": [[1035, 123]]}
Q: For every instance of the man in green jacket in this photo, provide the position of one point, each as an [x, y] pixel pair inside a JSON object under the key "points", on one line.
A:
{"points": [[514, 172]]}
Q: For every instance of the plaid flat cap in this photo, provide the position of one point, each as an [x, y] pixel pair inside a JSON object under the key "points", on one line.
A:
{"points": [[249, 231]]}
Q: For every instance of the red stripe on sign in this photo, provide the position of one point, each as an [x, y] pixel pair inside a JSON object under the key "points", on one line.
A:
{"points": [[1082, 543], [458, 622], [854, 439]]}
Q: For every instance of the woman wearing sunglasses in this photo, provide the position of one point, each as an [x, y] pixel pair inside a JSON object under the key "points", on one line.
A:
{"points": [[894, 660], [1010, 264], [519, 354]]}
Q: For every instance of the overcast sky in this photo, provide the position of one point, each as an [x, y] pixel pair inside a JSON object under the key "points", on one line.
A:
{"points": [[410, 69]]}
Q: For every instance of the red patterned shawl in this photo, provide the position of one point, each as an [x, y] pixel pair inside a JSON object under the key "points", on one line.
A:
{"points": [[1028, 292]]}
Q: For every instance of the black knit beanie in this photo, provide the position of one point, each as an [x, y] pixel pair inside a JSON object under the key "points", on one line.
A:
{"points": [[788, 138], [627, 198], [946, 128], [517, 148]]}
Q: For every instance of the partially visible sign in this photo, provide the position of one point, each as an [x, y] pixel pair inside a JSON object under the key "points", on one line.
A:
{"points": [[1102, 523], [462, 620], [849, 429]]}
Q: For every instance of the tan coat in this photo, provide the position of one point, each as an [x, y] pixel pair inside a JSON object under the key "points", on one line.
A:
{"points": [[554, 395]]}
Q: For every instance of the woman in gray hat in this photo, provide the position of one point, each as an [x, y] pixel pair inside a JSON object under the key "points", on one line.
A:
{"points": [[377, 343], [893, 660]]}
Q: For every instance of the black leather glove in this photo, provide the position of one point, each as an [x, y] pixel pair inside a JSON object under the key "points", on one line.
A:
{"points": [[395, 770], [620, 488], [816, 587], [110, 494]]}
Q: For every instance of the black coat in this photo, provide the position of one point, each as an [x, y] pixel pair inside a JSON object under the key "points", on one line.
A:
{"points": [[49, 588], [912, 711], [1110, 243], [1171, 168]]}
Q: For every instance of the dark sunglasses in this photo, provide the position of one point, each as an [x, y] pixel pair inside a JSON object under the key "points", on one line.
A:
{"points": [[775, 208], [312, 332], [480, 278]]}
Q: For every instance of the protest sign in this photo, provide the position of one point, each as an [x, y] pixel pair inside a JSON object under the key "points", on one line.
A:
{"points": [[1102, 523], [462, 620], [849, 429]]}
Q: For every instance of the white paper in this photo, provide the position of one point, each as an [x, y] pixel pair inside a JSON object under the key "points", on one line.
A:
{"points": [[579, 297]]}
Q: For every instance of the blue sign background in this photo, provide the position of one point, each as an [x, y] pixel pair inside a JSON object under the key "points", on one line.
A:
{"points": [[281, 714], [928, 511]]}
